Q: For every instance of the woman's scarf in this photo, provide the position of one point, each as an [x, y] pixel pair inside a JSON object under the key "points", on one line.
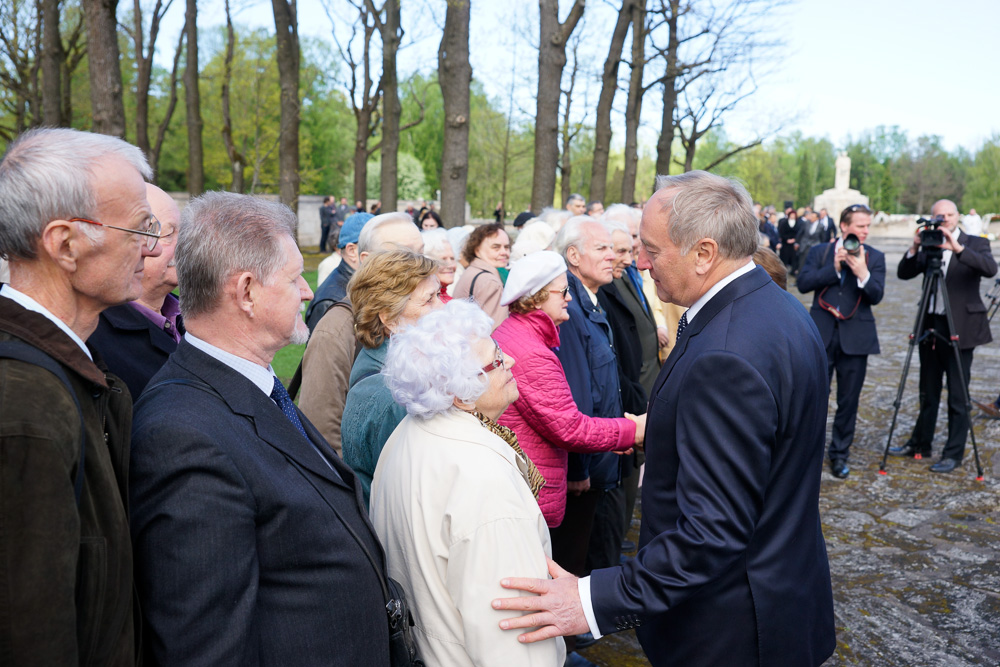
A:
{"points": [[534, 480]]}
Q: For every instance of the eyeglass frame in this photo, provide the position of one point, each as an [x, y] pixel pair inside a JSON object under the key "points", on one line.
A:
{"points": [[154, 223], [498, 360], [564, 291]]}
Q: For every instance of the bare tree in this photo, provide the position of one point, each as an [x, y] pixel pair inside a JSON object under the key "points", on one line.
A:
{"points": [[287, 28], [633, 105], [237, 161], [192, 99], [19, 23], [387, 21], [569, 130], [144, 66], [609, 86], [553, 37], [51, 57], [364, 94], [107, 107], [455, 77], [161, 132]]}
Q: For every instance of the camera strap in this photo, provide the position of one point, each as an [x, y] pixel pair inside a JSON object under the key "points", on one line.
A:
{"points": [[827, 306]]}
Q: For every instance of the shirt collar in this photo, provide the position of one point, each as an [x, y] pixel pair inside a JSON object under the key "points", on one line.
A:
{"points": [[716, 288], [28, 303], [262, 377]]}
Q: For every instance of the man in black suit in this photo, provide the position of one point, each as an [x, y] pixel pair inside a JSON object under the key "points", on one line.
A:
{"points": [[252, 545], [732, 567], [828, 223], [326, 221], [847, 283], [965, 261], [136, 338]]}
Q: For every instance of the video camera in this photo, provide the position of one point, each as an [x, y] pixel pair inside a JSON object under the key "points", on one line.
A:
{"points": [[931, 236]]}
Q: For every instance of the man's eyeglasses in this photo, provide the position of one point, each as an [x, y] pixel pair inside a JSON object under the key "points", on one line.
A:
{"points": [[497, 360], [151, 232], [564, 291]]}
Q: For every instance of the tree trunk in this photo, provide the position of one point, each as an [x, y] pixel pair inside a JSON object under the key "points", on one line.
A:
{"points": [[609, 86], [667, 122], [551, 61], [237, 161], [364, 119], [73, 53], [287, 27], [633, 106], [106, 104], [161, 134], [51, 63], [566, 160], [192, 97], [144, 69], [455, 77], [389, 28]]}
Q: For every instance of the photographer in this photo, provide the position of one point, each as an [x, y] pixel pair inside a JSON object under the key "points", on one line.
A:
{"points": [[964, 261], [848, 278]]}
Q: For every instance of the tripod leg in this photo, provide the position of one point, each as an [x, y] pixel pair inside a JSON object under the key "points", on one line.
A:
{"points": [[930, 283], [963, 381]]}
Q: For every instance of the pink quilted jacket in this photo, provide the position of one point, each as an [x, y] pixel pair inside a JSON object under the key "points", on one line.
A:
{"points": [[544, 417]]}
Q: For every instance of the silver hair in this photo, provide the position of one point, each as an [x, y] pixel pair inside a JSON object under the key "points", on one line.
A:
{"points": [[616, 226], [556, 217], [434, 240], [704, 205], [370, 238], [431, 363], [621, 213], [49, 174], [575, 197], [221, 234], [572, 234]]}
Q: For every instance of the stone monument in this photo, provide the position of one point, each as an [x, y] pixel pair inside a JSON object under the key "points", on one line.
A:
{"points": [[841, 196]]}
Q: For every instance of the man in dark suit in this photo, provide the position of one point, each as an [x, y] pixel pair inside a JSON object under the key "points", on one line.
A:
{"points": [[966, 259], [846, 283], [735, 429], [136, 338], [252, 546], [327, 214]]}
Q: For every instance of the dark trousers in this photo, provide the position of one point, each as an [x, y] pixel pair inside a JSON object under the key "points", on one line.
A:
{"points": [[937, 359], [571, 538], [324, 234], [850, 372], [606, 536]]}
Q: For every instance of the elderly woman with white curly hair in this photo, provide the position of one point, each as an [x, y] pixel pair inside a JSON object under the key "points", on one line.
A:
{"points": [[454, 497]]}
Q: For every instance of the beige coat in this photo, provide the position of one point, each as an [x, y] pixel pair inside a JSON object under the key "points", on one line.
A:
{"points": [[488, 289], [451, 506]]}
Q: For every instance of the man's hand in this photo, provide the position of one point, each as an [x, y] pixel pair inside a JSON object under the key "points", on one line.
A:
{"points": [[856, 263], [951, 241], [576, 488], [663, 336], [559, 611]]}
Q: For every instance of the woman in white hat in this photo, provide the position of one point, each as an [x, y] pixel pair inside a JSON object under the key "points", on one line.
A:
{"points": [[545, 417]]}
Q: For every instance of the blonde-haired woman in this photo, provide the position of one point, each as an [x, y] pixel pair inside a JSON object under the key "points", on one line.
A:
{"points": [[390, 291]]}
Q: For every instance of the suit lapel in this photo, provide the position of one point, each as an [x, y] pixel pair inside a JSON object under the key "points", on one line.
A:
{"points": [[245, 399]]}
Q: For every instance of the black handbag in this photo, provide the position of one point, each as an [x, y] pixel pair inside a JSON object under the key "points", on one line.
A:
{"points": [[402, 645]]}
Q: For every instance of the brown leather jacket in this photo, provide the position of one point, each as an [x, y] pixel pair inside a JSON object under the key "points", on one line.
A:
{"points": [[65, 570]]}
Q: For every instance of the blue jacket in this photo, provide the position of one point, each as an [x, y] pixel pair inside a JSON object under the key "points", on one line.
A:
{"points": [[333, 289], [370, 416], [587, 353]]}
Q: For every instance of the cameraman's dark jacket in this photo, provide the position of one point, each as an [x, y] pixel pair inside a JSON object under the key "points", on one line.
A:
{"points": [[65, 570], [857, 331], [962, 281]]}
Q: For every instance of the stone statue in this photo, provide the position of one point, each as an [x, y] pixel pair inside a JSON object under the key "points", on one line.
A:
{"points": [[842, 179]]}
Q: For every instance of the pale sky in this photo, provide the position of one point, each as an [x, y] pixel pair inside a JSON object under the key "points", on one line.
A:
{"points": [[842, 66]]}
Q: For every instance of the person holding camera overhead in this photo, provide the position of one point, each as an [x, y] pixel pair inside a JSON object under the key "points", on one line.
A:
{"points": [[964, 261], [848, 278]]}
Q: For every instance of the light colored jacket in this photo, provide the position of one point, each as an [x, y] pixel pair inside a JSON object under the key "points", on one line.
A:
{"points": [[488, 289], [326, 371], [452, 507]]}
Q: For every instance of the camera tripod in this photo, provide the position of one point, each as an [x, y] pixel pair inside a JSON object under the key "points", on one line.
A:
{"points": [[933, 277], [994, 296]]}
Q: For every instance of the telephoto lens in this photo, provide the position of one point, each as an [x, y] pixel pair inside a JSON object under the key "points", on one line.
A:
{"points": [[852, 244]]}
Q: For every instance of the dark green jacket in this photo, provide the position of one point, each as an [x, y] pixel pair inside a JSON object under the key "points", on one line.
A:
{"points": [[65, 570]]}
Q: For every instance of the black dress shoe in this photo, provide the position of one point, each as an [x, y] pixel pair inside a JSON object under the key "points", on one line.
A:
{"points": [[988, 409], [911, 451], [839, 469], [944, 465]]}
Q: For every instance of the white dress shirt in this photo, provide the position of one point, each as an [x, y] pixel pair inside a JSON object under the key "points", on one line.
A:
{"points": [[28, 303]]}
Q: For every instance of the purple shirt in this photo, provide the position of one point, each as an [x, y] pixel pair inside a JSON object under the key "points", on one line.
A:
{"points": [[166, 319]]}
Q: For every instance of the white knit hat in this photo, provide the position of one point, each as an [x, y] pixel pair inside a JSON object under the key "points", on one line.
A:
{"points": [[531, 273]]}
